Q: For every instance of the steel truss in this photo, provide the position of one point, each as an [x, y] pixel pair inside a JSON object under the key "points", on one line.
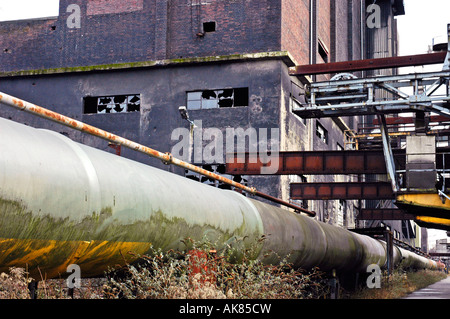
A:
{"points": [[350, 97], [346, 95]]}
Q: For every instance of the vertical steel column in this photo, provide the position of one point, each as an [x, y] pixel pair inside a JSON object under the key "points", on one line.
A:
{"points": [[447, 57], [389, 251], [387, 150]]}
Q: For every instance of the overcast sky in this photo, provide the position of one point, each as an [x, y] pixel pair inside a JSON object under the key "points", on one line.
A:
{"points": [[423, 21], [28, 9]]}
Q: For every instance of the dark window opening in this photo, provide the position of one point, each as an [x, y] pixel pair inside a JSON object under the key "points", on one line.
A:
{"points": [[112, 104], [322, 52], [209, 26], [220, 170], [210, 99], [321, 133], [241, 97]]}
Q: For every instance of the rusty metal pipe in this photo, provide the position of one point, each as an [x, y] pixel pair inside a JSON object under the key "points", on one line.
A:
{"points": [[167, 158], [282, 202]]}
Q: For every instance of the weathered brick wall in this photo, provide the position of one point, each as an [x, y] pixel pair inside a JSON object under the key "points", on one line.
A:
{"points": [[295, 29], [95, 7], [242, 26], [117, 31], [324, 25], [102, 38], [140, 30]]}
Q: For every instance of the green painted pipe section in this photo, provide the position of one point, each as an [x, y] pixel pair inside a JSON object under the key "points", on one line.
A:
{"points": [[53, 190]]}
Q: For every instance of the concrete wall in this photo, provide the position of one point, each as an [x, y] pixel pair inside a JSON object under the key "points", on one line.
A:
{"points": [[162, 91]]}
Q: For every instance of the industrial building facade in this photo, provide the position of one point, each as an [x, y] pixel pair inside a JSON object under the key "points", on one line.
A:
{"points": [[126, 66]]}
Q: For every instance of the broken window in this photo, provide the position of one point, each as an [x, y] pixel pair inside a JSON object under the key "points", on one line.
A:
{"points": [[211, 99], [220, 170], [321, 133], [112, 104]]}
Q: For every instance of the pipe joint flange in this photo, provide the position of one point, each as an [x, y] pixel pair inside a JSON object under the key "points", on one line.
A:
{"points": [[169, 161]]}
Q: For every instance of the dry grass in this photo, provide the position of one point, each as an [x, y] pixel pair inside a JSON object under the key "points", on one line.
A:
{"points": [[197, 274], [191, 274], [14, 285]]}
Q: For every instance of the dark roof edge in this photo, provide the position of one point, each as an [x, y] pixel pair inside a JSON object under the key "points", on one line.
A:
{"points": [[274, 55]]}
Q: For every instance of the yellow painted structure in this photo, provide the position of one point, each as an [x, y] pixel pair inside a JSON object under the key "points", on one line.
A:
{"points": [[429, 208], [94, 255], [425, 200]]}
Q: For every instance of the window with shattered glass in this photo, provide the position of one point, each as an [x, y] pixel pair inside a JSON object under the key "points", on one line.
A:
{"points": [[220, 170], [112, 104], [211, 99], [321, 133]]}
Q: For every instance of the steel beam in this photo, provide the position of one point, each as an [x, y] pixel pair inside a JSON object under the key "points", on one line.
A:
{"points": [[411, 120], [388, 154], [341, 190], [369, 64], [383, 214], [313, 162]]}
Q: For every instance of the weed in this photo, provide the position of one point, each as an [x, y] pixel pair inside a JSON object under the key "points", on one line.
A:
{"points": [[398, 284], [15, 284], [202, 273]]}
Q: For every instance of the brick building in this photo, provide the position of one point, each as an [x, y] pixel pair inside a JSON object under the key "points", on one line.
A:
{"points": [[127, 65]]}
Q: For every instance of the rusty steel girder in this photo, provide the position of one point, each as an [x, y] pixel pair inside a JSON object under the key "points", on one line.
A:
{"points": [[410, 120], [314, 162], [341, 190], [384, 214], [369, 64]]}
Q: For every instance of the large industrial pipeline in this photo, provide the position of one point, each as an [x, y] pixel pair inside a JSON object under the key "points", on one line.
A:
{"points": [[62, 202]]}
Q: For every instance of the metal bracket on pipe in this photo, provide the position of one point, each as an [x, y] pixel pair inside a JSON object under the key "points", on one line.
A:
{"points": [[169, 161], [442, 194]]}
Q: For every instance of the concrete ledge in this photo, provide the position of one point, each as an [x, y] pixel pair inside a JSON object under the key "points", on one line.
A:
{"points": [[275, 55]]}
